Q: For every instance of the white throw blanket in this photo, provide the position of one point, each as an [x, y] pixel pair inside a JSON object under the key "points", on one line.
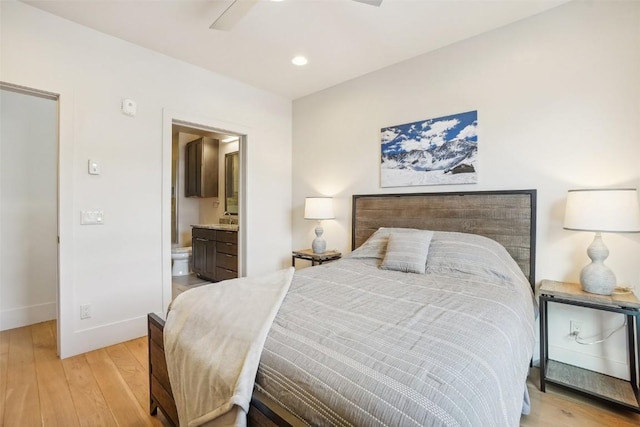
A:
{"points": [[213, 339]]}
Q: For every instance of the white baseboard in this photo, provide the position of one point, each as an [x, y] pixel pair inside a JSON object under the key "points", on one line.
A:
{"points": [[23, 316], [593, 363]]}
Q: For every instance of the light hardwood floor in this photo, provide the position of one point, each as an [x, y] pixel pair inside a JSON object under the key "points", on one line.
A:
{"points": [[109, 387]]}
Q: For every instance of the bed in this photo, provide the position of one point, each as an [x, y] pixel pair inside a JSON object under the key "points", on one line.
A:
{"points": [[361, 341]]}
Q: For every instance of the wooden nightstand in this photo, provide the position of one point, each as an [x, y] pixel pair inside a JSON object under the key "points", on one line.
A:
{"points": [[309, 255], [613, 390]]}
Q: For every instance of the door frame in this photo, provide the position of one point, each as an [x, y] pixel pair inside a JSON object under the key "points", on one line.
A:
{"points": [[29, 91], [197, 121]]}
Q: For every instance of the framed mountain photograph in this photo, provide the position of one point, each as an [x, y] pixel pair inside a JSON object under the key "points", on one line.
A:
{"points": [[436, 151]]}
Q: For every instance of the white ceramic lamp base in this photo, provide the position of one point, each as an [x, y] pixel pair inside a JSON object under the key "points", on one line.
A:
{"points": [[596, 277], [318, 245]]}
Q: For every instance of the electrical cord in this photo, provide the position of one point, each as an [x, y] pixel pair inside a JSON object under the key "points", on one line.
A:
{"points": [[578, 339]]}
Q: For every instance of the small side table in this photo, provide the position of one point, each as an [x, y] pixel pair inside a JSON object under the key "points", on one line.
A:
{"points": [[309, 255], [620, 392]]}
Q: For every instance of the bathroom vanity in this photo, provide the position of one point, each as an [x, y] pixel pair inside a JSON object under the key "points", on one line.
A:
{"points": [[215, 251]]}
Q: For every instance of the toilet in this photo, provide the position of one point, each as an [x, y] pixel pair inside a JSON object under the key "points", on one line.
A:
{"points": [[181, 261]]}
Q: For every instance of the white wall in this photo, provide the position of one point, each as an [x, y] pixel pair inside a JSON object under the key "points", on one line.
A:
{"points": [[28, 196], [119, 267], [557, 100]]}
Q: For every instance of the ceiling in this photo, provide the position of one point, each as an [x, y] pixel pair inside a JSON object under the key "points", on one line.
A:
{"points": [[342, 39]]}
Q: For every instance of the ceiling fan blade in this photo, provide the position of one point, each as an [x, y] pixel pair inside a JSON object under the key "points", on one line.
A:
{"points": [[232, 14], [370, 2]]}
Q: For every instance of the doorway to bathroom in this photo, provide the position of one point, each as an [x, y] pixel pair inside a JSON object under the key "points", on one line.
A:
{"points": [[204, 180]]}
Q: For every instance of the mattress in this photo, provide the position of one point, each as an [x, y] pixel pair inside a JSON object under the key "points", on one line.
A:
{"points": [[354, 344]]}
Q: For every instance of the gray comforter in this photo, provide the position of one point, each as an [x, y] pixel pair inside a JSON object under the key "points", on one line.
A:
{"points": [[356, 345]]}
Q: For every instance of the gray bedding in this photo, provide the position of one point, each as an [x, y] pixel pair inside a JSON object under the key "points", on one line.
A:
{"points": [[357, 345]]}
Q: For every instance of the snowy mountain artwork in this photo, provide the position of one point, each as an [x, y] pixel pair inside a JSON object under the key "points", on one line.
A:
{"points": [[436, 151]]}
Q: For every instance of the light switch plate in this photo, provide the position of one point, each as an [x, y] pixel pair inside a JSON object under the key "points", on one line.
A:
{"points": [[92, 218]]}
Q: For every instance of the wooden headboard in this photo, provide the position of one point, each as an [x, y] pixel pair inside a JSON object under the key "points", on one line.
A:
{"points": [[508, 217]]}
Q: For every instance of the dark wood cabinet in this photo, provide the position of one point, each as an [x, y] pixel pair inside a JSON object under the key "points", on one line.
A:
{"points": [[198, 255], [201, 168], [203, 252], [215, 253], [227, 259]]}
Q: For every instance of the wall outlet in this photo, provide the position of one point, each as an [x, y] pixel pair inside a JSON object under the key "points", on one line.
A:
{"points": [[575, 327], [85, 311]]}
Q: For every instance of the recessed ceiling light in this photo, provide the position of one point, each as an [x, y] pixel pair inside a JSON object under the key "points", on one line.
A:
{"points": [[299, 60]]}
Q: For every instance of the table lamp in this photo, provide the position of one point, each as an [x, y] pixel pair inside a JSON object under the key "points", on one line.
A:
{"points": [[318, 208], [601, 210]]}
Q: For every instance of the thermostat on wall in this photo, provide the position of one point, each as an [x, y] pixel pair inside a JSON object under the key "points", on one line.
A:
{"points": [[129, 107]]}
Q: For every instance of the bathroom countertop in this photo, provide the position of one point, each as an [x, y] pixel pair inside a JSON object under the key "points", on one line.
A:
{"points": [[225, 227]]}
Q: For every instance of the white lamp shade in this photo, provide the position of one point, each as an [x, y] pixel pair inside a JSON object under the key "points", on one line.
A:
{"points": [[603, 210], [318, 208]]}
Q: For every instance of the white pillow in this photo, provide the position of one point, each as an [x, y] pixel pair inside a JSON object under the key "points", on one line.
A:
{"points": [[407, 252]]}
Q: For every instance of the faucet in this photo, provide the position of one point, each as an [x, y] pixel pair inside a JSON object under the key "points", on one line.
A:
{"points": [[229, 218]]}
